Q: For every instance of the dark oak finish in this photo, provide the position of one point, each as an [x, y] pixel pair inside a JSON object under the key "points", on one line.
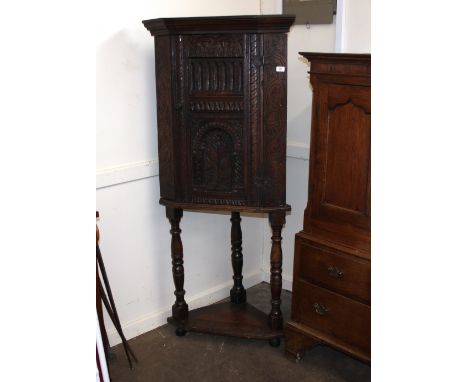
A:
{"points": [[238, 295], [180, 308], [277, 220], [331, 285], [221, 103], [215, 207], [221, 107], [234, 320]]}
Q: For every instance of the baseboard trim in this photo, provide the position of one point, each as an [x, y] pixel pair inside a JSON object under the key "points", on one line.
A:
{"points": [[153, 320]]}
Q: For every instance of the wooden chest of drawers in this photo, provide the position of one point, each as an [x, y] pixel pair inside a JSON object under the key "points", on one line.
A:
{"points": [[332, 279], [331, 299], [334, 270]]}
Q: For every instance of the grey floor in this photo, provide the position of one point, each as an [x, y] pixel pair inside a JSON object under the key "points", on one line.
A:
{"points": [[200, 357]]}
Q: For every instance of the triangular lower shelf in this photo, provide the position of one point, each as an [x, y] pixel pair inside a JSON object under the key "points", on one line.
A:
{"points": [[228, 319]]}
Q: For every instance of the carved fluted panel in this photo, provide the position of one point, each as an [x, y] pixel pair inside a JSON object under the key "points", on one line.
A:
{"points": [[216, 75]]}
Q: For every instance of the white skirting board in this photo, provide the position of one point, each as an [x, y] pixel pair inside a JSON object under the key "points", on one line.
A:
{"points": [[153, 320]]}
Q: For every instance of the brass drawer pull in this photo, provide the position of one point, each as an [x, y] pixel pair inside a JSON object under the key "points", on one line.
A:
{"points": [[335, 272], [320, 309]]}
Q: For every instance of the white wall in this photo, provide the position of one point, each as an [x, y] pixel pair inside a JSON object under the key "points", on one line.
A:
{"points": [[354, 26]]}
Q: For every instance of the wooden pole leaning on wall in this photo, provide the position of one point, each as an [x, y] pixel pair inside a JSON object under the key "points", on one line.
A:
{"points": [[107, 298]]}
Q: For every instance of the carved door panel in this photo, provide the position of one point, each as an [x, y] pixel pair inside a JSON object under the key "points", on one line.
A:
{"points": [[214, 118], [231, 100], [341, 172]]}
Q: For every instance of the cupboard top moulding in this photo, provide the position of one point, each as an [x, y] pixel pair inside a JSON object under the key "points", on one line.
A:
{"points": [[220, 24], [221, 109]]}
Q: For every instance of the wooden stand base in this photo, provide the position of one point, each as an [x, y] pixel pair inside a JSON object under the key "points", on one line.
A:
{"points": [[235, 318], [228, 319]]}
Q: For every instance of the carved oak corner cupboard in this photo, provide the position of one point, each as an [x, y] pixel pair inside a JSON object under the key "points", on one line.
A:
{"points": [[331, 283], [221, 111]]}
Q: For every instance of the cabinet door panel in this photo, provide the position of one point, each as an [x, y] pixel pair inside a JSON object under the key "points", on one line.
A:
{"points": [[342, 167], [214, 124], [217, 151]]}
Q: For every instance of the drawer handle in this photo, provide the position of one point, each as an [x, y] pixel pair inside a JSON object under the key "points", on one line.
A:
{"points": [[320, 309], [335, 272]]}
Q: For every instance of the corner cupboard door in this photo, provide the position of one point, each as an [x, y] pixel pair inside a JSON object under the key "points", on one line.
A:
{"points": [[218, 152]]}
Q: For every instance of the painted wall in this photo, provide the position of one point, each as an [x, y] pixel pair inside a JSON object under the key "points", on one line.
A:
{"points": [[354, 26]]}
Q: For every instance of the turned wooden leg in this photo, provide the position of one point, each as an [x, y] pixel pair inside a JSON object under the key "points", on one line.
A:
{"points": [[238, 295], [275, 318], [180, 308]]}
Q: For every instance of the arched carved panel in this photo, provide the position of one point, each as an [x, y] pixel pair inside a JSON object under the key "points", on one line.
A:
{"points": [[217, 162]]}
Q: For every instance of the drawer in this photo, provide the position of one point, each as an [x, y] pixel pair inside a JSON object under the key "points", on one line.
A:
{"points": [[334, 315], [339, 272]]}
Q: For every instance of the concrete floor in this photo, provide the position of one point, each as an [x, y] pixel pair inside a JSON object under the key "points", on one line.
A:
{"points": [[201, 357]]}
